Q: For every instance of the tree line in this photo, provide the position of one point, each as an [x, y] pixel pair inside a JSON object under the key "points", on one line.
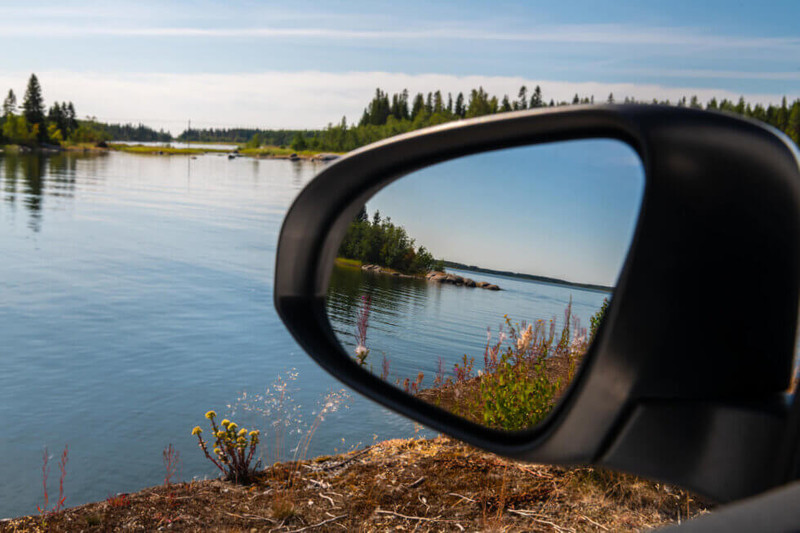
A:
{"points": [[32, 125], [381, 242], [387, 115], [268, 137]]}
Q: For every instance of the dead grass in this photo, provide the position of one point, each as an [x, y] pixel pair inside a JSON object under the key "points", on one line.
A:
{"points": [[399, 485]]}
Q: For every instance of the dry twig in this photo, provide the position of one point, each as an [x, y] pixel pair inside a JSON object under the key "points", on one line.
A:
{"points": [[329, 520]]}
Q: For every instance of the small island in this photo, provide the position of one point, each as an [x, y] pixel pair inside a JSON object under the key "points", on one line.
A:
{"points": [[379, 246]]}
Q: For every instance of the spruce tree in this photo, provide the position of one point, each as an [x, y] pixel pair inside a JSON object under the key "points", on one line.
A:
{"points": [[33, 104], [10, 104], [523, 98], [460, 109], [536, 99], [417, 106], [438, 102]]}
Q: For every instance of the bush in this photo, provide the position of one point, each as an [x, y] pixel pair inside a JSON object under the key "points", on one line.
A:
{"points": [[518, 394]]}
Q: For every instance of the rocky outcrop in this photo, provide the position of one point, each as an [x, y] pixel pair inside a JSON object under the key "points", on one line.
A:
{"points": [[454, 279], [377, 269], [434, 276]]}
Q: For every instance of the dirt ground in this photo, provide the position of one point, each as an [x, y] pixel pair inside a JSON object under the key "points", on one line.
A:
{"points": [[399, 485]]}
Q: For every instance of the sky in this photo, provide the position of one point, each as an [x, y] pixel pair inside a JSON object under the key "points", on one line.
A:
{"points": [[565, 210], [305, 64]]}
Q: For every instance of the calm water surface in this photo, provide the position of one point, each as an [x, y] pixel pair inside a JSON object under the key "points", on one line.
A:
{"points": [[135, 295]]}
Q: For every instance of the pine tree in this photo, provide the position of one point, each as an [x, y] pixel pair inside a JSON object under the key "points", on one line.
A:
{"points": [[33, 105], [10, 104], [505, 105], [610, 98], [404, 113], [523, 97], [450, 103], [438, 102], [536, 99], [418, 106], [460, 109], [72, 118]]}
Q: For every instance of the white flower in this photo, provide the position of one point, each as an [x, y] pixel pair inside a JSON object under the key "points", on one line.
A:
{"points": [[525, 339], [361, 351]]}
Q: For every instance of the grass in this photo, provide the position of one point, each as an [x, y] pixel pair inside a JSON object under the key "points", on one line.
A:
{"points": [[277, 151], [352, 263], [162, 150]]}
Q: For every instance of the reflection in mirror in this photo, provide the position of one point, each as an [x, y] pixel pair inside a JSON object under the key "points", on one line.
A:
{"points": [[478, 284]]}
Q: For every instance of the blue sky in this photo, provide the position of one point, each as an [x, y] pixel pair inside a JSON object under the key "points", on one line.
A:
{"points": [[565, 210], [304, 64]]}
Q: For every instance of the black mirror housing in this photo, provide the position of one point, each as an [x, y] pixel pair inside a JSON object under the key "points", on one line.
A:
{"points": [[686, 379]]}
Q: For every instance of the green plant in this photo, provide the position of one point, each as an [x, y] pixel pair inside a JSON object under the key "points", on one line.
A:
{"points": [[233, 452], [597, 319], [516, 395]]}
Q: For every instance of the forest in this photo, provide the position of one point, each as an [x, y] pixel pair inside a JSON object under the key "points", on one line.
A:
{"points": [[32, 125], [388, 115], [383, 243]]}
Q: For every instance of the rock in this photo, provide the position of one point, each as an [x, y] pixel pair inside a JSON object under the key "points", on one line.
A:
{"points": [[469, 282], [482, 284], [492, 288]]}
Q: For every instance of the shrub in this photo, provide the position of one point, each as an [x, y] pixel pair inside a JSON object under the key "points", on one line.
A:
{"points": [[518, 394], [597, 319], [233, 452]]}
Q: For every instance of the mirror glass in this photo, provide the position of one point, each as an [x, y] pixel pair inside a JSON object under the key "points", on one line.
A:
{"points": [[476, 284]]}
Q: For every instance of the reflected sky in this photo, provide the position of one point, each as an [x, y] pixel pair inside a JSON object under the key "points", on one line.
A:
{"points": [[565, 210]]}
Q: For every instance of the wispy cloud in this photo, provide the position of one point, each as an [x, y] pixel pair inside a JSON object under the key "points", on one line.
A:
{"points": [[278, 99], [563, 34], [709, 74]]}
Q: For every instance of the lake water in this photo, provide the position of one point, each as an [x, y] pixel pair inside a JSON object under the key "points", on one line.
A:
{"points": [[415, 323], [136, 294]]}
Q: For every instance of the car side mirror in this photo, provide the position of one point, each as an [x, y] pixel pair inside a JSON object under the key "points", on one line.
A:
{"points": [[685, 379]]}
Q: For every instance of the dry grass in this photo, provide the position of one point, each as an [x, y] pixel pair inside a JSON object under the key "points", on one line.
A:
{"points": [[399, 485]]}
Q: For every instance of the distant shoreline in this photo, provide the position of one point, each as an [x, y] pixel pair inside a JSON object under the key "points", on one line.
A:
{"points": [[529, 277], [264, 152]]}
